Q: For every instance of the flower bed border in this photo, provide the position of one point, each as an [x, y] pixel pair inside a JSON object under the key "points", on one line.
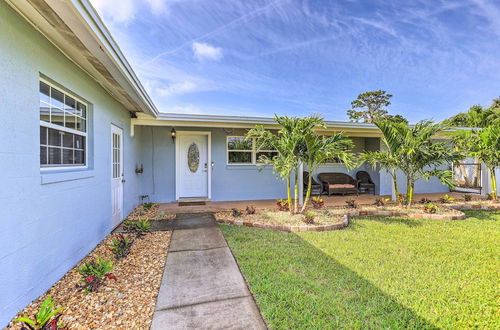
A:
{"points": [[382, 213], [475, 206]]}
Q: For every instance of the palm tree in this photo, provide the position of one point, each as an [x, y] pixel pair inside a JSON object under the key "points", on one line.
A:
{"points": [[477, 116], [318, 149], [297, 143], [484, 144], [289, 144], [388, 158], [385, 159], [419, 154]]}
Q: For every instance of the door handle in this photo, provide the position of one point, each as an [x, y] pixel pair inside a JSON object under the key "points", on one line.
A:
{"points": [[123, 180]]}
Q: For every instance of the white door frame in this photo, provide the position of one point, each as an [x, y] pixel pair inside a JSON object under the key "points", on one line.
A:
{"points": [[119, 131], [209, 160]]}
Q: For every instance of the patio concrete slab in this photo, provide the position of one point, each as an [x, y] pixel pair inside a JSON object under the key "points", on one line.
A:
{"points": [[238, 313], [202, 286], [335, 200]]}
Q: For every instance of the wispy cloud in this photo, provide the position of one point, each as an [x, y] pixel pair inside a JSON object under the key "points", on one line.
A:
{"points": [[124, 11], [203, 51], [303, 56], [177, 88]]}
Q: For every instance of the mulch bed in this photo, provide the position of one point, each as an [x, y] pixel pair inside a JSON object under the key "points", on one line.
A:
{"points": [[153, 213], [127, 303]]}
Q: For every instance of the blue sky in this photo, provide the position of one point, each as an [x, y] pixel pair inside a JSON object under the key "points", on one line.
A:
{"points": [[260, 57]]}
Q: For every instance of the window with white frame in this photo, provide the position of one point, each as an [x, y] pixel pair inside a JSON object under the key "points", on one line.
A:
{"points": [[241, 151], [63, 128]]}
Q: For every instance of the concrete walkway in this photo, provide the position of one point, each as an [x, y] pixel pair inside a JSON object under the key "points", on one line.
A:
{"points": [[202, 287]]}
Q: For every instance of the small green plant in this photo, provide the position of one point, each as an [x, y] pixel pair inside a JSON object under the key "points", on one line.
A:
{"points": [[467, 197], [236, 212], [489, 196], [142, 226], [94, 273], [381, 201], [147, 206], [45, 319], [129, 226], [431, 208], [250, 210], [283, 205], [309, 217], [121, 245], [317, 202], [425, 200], [446, 199], [139, 227], [351, 203]]}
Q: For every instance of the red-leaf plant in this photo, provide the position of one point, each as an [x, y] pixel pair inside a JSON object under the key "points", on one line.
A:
{"points": [[94, 273]]}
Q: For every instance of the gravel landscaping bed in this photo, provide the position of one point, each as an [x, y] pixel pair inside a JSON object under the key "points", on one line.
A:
{"points": [[127, 303], [149, 213]]}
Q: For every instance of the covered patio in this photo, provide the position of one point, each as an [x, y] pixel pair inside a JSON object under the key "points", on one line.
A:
{"points": [[330, 201]]}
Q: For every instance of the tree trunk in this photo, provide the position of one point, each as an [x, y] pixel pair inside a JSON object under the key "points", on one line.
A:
{"points": [[289, 193], [493, 177], [308, 194], [411, 189], [296, 201], [395, 182]]}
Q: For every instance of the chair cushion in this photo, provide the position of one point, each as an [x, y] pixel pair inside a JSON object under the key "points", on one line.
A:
{"points": [[341, 186]]}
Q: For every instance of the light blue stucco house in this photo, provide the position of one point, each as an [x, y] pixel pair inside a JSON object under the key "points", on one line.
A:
{"points": [[81, 144]]}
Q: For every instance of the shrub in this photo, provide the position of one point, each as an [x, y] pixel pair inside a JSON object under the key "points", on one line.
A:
{"points": [[283, 205], [446, 199], [121, 246], [351, 203], [45, 319], [94, 273], [425, 200], [467, 197], [430, 208], [309, 217], [147, 206], [402, 199], [317, 202], [236, 212], [142, 226], [381, 201], [250, 210], [139, 227]]}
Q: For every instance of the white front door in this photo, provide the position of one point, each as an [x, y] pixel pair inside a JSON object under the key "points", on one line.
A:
{"points": [[116, 175], [193, 165]]}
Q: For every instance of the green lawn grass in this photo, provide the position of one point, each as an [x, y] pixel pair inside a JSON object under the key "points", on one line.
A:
{"points": [[377, 273]]}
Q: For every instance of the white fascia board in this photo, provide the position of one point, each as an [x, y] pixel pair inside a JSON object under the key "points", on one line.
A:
{"points": [[266, 121], [94, 22]]}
